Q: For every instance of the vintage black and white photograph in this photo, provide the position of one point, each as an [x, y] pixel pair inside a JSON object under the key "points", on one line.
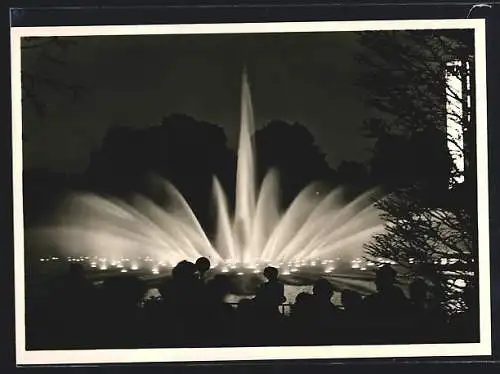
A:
{"points": [[284, 190]]}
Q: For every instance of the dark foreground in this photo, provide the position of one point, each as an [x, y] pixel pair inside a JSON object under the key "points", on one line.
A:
{"points": [[73, 313]]}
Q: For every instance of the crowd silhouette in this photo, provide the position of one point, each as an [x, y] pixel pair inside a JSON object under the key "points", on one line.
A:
{"points": [[192, 312]]}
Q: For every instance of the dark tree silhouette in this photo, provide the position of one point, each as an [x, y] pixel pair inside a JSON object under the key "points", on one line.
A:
{"points": [[43, 59], [354, 177], [429, 226], [292, 150], [189, 153], [429, 241], [400, 161], [186, 152]]}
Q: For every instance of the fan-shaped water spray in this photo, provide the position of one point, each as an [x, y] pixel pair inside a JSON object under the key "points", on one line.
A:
{"points": [[314, 226]]}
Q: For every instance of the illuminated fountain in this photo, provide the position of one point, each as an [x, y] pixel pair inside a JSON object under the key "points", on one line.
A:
{"points": [[317, 226]]}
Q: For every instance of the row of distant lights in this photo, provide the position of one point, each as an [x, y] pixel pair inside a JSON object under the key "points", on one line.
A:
{"points": [[102, 264], [226, 268], [290, 267], [48, 259], [358, 263], [363, 265], [287, 269], [105, 264], [293, 267]]}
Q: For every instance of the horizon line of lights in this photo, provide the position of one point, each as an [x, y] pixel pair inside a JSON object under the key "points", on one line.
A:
{"points": [[103, 264], [125, 264]]}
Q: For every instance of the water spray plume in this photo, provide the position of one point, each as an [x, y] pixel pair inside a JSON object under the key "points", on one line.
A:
{"points": [[314, 226]]}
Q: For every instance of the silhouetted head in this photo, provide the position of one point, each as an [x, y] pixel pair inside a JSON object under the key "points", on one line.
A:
{"points": [[351, 299], [184, 271], [323, 289], [302, 303], [202, 264], [418, 290], [385, 277], [302, 298], [271, 273]]}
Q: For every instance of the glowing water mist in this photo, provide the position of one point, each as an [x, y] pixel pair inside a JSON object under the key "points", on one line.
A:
{"points": [[245, 174], [316, 225]]}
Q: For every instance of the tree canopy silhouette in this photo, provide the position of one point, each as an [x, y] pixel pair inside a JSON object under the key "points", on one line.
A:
{"points": [[405, 82], [186, 152], [42, 70], [355, 177], [421, 158], [429, 214], [292, 150]]}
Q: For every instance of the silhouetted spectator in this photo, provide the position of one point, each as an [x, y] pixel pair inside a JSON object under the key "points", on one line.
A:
{"points": [[203, 265], [352, 317], [389, 299], [191, 313], [217, 314], [301, 309], [71, 305], [185, 283], [426, 319], [271, 294], [268, 298], [184, 297], [352, 302], [247, 321], [388, 308], [324, 314], [184, 272], [323, 293], [301, 315]]}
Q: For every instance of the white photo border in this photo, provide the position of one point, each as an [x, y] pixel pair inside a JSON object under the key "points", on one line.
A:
{"points": [[483, 348]]}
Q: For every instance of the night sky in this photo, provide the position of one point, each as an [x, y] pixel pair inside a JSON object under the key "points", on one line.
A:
{"points": [[137, 80]]}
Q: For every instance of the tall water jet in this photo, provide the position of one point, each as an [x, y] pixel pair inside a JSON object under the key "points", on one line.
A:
{"points": [[245, 175]]}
